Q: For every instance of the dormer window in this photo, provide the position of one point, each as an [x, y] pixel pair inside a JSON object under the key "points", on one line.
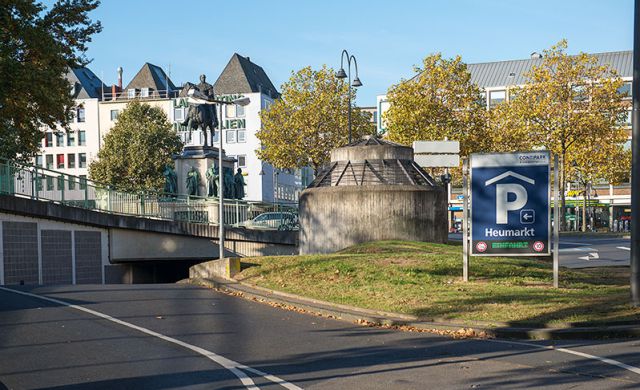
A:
{"points": [[131, 93], [144, 92]]}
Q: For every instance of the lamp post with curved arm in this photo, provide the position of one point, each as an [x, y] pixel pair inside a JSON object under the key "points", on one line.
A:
{"points": [[356, 82]]}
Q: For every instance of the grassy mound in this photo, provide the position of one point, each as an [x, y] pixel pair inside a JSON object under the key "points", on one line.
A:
{"points": [[424, 279]]}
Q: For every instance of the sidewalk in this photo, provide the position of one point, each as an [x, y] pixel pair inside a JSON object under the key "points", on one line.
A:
{"points": [[367, 317]]}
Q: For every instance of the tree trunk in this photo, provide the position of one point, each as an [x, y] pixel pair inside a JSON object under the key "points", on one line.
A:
{"points": [[584, 210], [560, 218]]}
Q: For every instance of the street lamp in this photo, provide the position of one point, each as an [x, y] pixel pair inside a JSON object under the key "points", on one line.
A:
{"points": [[198, 97], [342, 75]]}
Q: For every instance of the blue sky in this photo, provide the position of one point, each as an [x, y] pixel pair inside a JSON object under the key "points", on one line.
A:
{"points": [[387, 37]]}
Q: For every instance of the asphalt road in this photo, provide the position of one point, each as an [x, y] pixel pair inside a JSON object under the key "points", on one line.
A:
{"points": [[582, 251], [177, 336]]}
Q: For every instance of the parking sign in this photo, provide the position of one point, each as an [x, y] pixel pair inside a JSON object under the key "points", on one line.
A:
{"points": [[510, 195]]}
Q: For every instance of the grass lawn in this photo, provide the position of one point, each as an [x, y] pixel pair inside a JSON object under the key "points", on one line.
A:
{"points": [[425, 279]]}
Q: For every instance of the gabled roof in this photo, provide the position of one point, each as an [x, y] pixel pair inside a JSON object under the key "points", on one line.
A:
{"points": [[85, 83], [505, 73], [152, 77], [243, 76]]}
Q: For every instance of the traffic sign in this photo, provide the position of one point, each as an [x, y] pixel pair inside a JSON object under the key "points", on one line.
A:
{"points": [[510, 198]]}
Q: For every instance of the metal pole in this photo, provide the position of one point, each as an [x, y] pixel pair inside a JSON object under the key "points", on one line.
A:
{"points": [[556, 222], [349, 97], [220, 193], [635, 174], [465, 220]]}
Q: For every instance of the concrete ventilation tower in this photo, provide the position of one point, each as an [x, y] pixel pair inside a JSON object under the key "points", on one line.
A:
{"points": [[371, 190]]}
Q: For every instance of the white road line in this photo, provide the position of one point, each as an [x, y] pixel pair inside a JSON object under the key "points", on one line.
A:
{"points": [[623, 248], [572, 352], [235, 367]]}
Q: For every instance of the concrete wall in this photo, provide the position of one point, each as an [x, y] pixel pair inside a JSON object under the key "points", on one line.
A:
{"points": [[48, 243], [43, 251], [333, 218]]}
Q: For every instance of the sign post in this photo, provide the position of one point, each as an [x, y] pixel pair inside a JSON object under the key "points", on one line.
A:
{"points": [[465, 220], [511, 203], [556, 221]]}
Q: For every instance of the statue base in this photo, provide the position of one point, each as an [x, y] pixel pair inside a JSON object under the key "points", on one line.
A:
{"points": [[201, 158]]}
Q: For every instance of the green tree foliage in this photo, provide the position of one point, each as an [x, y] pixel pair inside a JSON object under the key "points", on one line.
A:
{"points": [[309, 120], [136, 150], [439, 101], [36, 47], [571, 106]]}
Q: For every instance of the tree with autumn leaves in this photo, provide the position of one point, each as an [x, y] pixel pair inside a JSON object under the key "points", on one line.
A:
{"points": [[569, 105], [309, 120]]}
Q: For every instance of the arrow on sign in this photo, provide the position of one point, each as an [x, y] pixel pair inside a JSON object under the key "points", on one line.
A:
{"points": [[527, 217]]}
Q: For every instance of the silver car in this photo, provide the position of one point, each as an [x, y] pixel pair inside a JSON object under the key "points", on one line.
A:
{"points": [[276, 220]]}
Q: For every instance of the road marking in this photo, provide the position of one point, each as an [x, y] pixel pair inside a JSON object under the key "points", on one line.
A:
{"points": [[235, 367], [588, 249], [572, 352], [623, 248]]}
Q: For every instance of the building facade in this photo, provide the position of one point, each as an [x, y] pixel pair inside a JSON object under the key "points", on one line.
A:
{"points": [[608, 206], [98, 108]]}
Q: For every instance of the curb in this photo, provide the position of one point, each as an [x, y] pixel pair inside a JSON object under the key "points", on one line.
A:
{"points": [[405, 322]]}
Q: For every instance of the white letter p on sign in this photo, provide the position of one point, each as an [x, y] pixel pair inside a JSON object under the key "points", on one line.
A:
{"points": [[503, 206]]}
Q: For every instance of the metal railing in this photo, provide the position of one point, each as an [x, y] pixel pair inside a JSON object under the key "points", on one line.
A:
{"points": [[150, 94], [44, 184]]}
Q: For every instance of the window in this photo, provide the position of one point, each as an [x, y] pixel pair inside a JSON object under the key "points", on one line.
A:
{"points": [[496, 97], [114, 115], [71, 139], [131, 93], [59, 139], [48, 140], [39, 160], [242, 161], [230, 136], [49, 181], [178, 114], [239, 111], [82, 138], [230, 111], [82, 160], [144, 92], [49, 161], [625, 90], [72, 183], [60, 161], [216, 136], [61, 183], [71, 160], [242, 136], [83, 182], [80, 114]]}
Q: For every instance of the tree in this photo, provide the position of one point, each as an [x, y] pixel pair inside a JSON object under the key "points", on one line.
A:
{"points": [[570, 106], [439, 101], [309, 120], [136, 150], [37, 45]]}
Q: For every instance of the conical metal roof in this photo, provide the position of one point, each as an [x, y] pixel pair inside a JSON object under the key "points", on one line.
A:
{"points": [[372, 161]]}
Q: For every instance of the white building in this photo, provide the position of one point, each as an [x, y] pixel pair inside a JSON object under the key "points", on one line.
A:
{"points": [[99, 107], [72, 151]]}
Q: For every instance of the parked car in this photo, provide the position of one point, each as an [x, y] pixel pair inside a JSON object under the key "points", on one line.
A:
{"points": [[276, 220]]}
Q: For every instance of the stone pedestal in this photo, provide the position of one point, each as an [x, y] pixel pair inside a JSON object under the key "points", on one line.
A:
{"points": [[201, 158]]}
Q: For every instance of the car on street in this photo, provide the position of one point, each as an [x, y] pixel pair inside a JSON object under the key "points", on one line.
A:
{"points": [[275, 220]]}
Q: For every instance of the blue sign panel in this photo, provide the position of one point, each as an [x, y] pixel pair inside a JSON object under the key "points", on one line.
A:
{"points": [[510, 204]]}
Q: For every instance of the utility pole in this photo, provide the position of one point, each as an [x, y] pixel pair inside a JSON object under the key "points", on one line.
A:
{"points": [[635, 163]]}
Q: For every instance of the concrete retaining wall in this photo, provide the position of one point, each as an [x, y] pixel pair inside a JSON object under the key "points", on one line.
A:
{"points": [[333, 218]]}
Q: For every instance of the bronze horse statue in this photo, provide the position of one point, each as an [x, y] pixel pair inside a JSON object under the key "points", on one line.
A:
{"points": [[200, 116]]}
